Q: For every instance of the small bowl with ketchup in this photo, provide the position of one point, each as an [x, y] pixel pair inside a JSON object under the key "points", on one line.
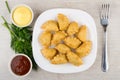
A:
{"points": [[20, 65]]}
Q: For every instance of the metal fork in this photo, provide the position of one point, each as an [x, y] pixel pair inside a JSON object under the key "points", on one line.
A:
{"points": [[104, 16]]}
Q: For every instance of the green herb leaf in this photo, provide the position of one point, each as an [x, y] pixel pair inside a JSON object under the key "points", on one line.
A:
{"points": [[21, 39], [22, 44]]}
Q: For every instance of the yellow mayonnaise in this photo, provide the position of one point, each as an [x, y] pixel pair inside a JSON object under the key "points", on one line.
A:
{"points": [[22, 16]]}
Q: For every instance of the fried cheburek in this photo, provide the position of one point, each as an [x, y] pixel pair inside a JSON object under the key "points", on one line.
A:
{"points": [[50, 25], [57, 37], [84, 49], [73, 58], [62, 48], [45, 39], [64, 41], [48, 53], [82, 34], [72, 42], [59, 59], [73, 28], [63, 21]]}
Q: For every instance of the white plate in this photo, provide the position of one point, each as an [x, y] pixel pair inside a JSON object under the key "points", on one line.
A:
{"points": [[74, 15]]}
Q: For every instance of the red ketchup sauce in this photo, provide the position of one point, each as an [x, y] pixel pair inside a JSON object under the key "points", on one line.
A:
{"points": [[20, 65]]}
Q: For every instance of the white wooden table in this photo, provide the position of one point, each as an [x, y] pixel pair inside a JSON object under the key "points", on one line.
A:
{"points": [[90, 6]]}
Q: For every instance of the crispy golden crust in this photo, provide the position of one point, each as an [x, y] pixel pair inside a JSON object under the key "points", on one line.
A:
{"points": [[73, 28], [72, 42], [74, 59], [84, 49], [59, 59], [50, 25], [48, 53], [82, 34], [45, 38], [64, 42], [57, 37], [62, 48], [63, 22]]}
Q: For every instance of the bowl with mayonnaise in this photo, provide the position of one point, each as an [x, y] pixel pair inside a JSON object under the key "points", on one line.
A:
{"points": [[22, 15]]}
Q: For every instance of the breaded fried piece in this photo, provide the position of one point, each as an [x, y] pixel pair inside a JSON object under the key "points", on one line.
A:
{"points": [[72, 42], [84, 49], [74, 59], [48, 53], [63, 21], [73, 28], [58, 36], [82, 34], [50, 25], [62, 48], [45, 38], [59, 59]]}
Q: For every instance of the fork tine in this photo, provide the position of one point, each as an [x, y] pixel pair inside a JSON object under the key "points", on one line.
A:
{"points": [[106, 11], [108, 7], [101, 12]]}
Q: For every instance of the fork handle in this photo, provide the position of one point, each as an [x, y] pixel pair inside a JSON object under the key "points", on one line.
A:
{"points": [[105, 54]]}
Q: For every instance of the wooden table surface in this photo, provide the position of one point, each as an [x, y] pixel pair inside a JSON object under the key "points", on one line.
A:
{"points": [[90, 6]]}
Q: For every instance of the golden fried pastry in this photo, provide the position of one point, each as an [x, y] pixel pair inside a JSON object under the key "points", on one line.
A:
{"points": [[74, 59], [48, 53], [73, 28], [84, 49], [82, 34], [63, 21], [72, 42], [62, 48], [63, 41], [45, 38], [50, 25], [59, 59], [58, 36]]}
